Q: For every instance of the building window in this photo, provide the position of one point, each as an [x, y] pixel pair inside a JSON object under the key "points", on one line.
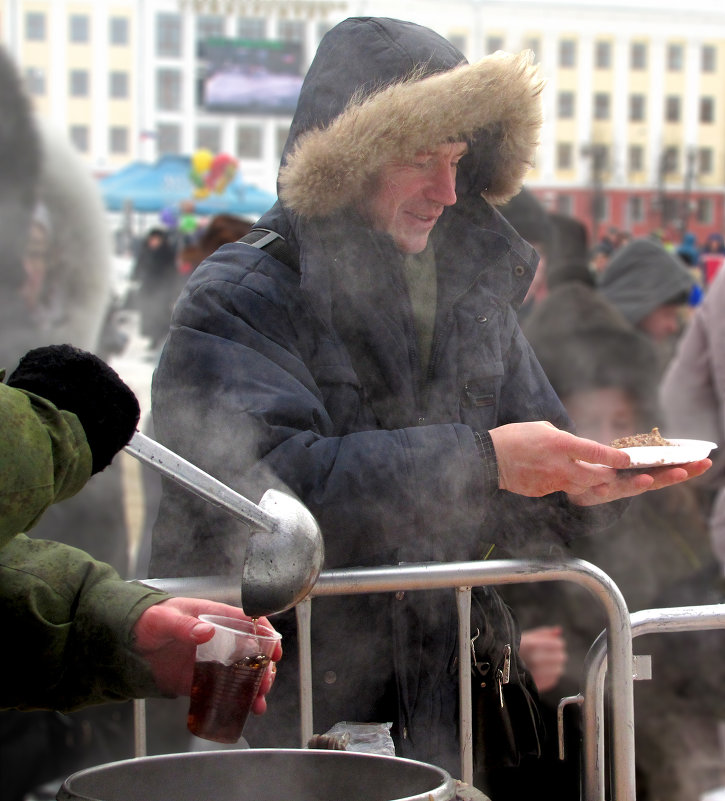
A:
{"points": [[168, 35], [249, 142], [494, 43], [209, 137], [168, 138], [79, 137], [705, 161], [707, 109], [457, 40], [704, 210], [564, 156], [567, 53], [209, 26], [118, 85], [602, 105], [79, 28], [670, 161], [118, 30], [252, 28], [565, 105], [281, 135], [709, 58], [168, 90], [35, 81], [118, 139], [636, 158], [35, 26], [637, 107], [565, 205], [638, 56], [635, 209], [600, 207], [672, 108], [532, 43], [675, 57], [293, 31], [79, 83], [603, 55]]}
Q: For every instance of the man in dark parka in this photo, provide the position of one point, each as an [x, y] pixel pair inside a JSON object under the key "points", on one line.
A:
{"points": [[376, 370]]}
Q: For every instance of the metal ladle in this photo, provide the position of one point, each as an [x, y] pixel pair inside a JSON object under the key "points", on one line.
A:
{"points": [[284, 553]]}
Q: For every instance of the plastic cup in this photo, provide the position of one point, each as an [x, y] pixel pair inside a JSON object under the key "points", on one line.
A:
{"points": [[227, 673]]}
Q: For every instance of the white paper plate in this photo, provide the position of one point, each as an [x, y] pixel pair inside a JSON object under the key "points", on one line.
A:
{"points": [[680, 451]]}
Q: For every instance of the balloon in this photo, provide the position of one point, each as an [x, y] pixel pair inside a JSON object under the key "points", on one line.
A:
{"points": [[222, 171], [202, 160], [168, 217], [196, 178], [188, 224]]}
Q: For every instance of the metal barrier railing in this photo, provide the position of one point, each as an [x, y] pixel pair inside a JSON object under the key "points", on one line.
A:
{"points": [[460, 576], [648, 621], [612, 650]]}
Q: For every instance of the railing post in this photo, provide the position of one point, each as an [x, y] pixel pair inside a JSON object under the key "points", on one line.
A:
{"points": [[463, 602]]}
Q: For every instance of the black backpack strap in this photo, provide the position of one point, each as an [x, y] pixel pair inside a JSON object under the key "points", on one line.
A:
{"points": [[274, 243]]}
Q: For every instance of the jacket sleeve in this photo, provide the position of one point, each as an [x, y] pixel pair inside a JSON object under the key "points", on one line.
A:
{"points": [[69, 620], [44, 458]]}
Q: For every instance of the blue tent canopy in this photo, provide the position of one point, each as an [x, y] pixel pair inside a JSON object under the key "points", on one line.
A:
{"points": [[167, 183]]}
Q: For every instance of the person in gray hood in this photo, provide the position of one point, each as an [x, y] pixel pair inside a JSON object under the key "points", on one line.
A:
{"points": [[374, 367], [649, 286]]}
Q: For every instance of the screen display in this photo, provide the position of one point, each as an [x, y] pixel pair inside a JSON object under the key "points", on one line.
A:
{"points": [[251, 76]]}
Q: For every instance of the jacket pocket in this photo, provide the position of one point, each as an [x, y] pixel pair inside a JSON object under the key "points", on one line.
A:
{"points": [[480, 397]]}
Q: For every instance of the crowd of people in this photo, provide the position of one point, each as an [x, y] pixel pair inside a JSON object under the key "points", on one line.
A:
{"points": [[436, 365]]}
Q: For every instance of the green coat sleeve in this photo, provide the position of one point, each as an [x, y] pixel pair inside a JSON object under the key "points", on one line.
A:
{"points": [[68, 618], [44, 458], [70, 622]]}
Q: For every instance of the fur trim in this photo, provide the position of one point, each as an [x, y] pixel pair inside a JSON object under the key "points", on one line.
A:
{"points": [[494, 102]]}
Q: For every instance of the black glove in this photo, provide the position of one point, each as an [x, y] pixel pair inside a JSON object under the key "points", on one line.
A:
{"points": [[80, 382]]}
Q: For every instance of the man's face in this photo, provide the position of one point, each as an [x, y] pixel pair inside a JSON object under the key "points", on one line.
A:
{"points": [[665, 321], [408, 199]]}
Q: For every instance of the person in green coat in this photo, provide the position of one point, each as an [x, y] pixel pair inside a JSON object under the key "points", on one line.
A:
{"points": [[76, 633]]}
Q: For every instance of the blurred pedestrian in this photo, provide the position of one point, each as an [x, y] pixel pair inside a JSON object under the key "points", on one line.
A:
{"points": [[156, 274], [605, 372], [220, 229], [651, 288], [712, 257], [56, 287]]}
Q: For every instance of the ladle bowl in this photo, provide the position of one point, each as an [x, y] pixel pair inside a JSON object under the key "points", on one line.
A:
{"points": [[281, 567], [284, 550]]}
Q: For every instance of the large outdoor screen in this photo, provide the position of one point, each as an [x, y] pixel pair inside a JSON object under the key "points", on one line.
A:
{"points": [[250, 76]]}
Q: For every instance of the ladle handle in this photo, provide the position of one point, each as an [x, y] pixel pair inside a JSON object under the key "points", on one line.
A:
{"points": [[193, 478]]}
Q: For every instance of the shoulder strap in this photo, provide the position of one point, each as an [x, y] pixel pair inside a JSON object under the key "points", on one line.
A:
{"points": [[274, 243]]}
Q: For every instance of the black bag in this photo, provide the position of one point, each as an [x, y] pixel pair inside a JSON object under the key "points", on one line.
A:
{"points": [[507, 725]]}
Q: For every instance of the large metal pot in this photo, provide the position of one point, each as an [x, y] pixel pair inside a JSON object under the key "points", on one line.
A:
{"points": [[276, 774]]}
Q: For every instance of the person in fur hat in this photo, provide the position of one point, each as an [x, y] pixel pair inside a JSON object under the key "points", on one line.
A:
{"points": [[371, 364]]}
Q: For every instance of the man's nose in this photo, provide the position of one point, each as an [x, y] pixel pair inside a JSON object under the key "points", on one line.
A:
{"points": [[442, 187]]}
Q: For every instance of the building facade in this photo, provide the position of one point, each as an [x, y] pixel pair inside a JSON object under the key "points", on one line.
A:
{"points": [[634, 101]]}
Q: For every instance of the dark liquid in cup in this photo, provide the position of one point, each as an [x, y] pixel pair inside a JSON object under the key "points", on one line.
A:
{"points": [[222, 696]]}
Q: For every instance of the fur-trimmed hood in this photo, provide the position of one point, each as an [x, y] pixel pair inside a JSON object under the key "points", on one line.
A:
{"points": [[380, 90]]}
